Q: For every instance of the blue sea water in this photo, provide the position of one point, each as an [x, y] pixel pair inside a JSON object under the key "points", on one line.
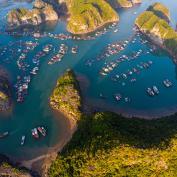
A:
{"points": [[35, 109]]}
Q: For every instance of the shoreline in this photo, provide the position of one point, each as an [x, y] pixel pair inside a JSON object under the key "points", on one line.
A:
{"points": [[94, 30], [91, 105], [132, 113], [42, 162], [153, 40]]}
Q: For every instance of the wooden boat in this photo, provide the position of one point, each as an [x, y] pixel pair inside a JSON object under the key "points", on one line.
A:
{"points": [[3, 135]]}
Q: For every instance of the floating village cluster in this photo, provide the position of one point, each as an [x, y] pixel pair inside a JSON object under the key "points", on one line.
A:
{"points": [[56, 54]]}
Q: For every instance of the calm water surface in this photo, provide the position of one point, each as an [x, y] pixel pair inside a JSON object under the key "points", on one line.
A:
{"points": [[36, 111]]}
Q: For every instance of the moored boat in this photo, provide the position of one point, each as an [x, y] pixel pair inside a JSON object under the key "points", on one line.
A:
{"points": [[42, 130], [35, 133], [3, 135], [22, 140], [155, 89]]}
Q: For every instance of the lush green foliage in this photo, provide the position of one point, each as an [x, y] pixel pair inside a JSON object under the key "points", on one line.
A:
{"points": [[150, 23], [66, 97], [87, 16], [160, 10], [107, 144]]}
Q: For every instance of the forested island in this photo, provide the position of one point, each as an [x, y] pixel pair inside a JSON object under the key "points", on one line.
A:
{"points": [[66, 97], [154, 24], [87, 17], [83, 17], [41, 12], [107, 144]]}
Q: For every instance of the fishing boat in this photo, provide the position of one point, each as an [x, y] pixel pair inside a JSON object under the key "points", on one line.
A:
{"points": [[42, 130], [118, 97], [155, 89], [74, 49], [150, 92], [167, 83], [3, 135], [127, 99], [22, 140], [35, 133]]}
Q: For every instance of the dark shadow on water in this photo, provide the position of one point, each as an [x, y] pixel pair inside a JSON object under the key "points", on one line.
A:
{"points": [[48, 26]]}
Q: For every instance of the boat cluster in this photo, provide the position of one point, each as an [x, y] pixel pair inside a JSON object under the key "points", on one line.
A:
{"points": [[118, 97], [130, 72], [114, 64], [155, 91], [61, 36], [22, 83], [35, 132], [110, 50], [63, 49], [21, 61], [21, 87]]}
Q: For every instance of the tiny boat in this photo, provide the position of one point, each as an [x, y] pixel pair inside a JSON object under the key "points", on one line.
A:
{"points": [[127, 99], [155, 89], [167, 83], [118, 97], [3, 135], [35, 133], [42, 130], [22, 140], [150, 92]]}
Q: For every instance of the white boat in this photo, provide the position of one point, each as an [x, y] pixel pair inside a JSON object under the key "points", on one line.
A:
{"points": [[155, 89], [150, 92], [22, 140], [118, 97], [3, 135]]}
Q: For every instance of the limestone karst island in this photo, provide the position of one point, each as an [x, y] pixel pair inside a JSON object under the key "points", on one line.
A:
{"points": [[88, 88]]}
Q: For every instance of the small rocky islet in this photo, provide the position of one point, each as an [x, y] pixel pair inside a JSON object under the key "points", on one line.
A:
{"points": [[41, 12]]}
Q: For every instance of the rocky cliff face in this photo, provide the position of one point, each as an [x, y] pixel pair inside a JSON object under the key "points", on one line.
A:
{"points": [[123, 3], [41, 12]]}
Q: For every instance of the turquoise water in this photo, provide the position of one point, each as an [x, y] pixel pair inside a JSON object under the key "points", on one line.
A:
{"points": [[35, 110]]}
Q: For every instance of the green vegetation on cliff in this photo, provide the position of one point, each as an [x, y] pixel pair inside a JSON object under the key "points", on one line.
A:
{"points": [[158, 29], [5, 95], [87, 16], [160, 10], [66, 97], [107, 144]]}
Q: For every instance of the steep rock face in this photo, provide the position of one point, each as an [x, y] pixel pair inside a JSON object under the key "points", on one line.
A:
{"points": [[41, 12], [158, 30], [136, 1], [123, 3]]}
